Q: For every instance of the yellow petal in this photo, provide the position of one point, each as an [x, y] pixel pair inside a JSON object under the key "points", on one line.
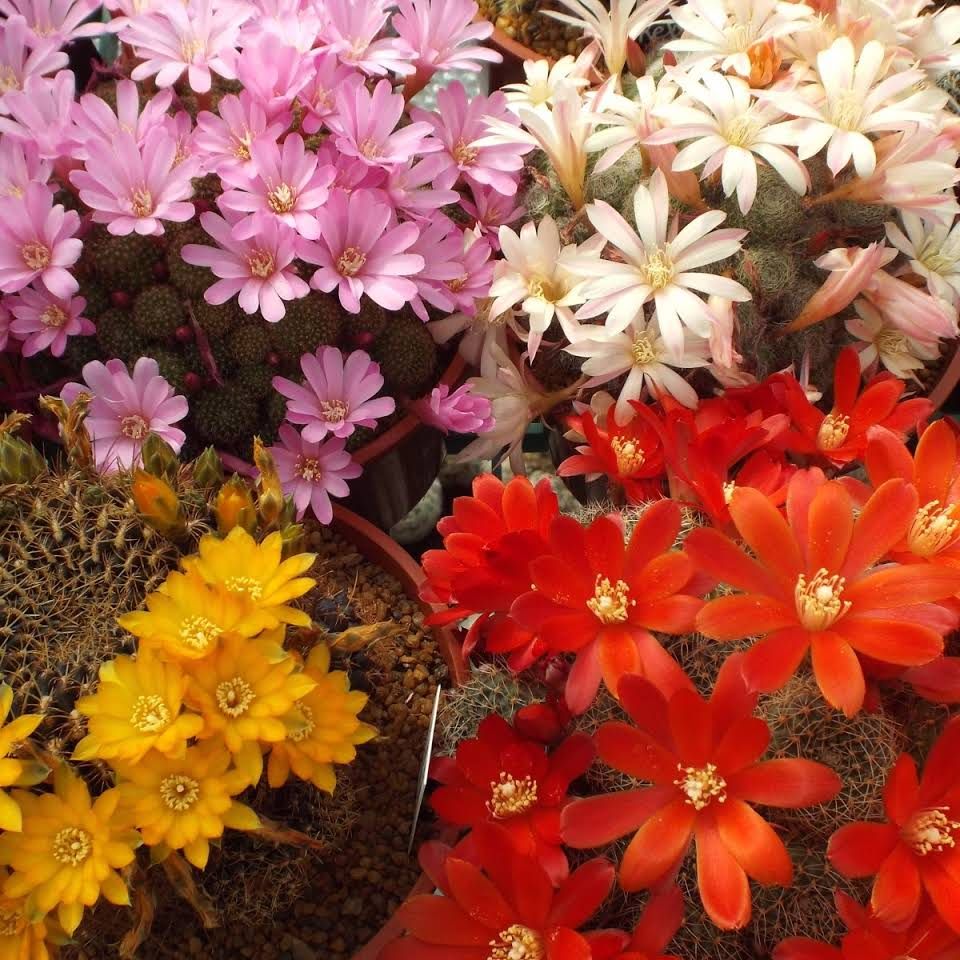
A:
{"points": [[240, 817], [115, 890], [10, 816], [6, 700], [70, 915], [198, 851]]}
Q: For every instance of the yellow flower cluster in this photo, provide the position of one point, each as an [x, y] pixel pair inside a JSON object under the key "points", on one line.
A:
{"points": [[185, 724]]}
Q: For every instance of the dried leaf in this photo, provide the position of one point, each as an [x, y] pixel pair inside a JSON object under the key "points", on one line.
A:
{"points": [[365, 635], [12, 422], [280, 833], [144, 908], [181, 879]]}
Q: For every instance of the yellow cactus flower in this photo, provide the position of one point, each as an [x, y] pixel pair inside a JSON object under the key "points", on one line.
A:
{"points": [[244, 691], [187, 617], [323, 728], [21, 939], [137, 708], [69, 851], [256, 570], [182, 803], [13, 772]]}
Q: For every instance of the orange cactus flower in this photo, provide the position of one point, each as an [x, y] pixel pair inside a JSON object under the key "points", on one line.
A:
{"points": [[703, 760], [810, 583], [915, 854]]}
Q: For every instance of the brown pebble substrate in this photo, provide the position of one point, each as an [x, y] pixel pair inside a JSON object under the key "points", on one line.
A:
{"points": [[291, 905]]}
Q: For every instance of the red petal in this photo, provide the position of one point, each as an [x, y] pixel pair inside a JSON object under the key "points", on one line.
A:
{"points": [[480, 762], [743, 743], [566, 944], [940, 771], [753, 843], [635, 753], [790, 783], [799, 948], [771, 662], [764, 529], [608, 944], [829, 528], [461, 806], [519, 505], [691, 724], [411, 949], [901, 793], [477, 895], [532, 609], [723, 884], [936, 462], [646, 706], [658, 666], [440, 920], [597, 821], [567, 762], [567, 586], [568, 633], [883, 520], [897, 890], [887, 457], [605, 549], [944, 890], [654, 533], [859, 849], [531, 891], [474, 516], [846, 381], [802, 489], [660, 921], [732, 698], [838, 672], [657, 846], [903, 587], [568, 541], [663, 576], [744, 615], [579, 898], [676, 614], [618, 656], [890, 641], [717, 555], [583, 681]]}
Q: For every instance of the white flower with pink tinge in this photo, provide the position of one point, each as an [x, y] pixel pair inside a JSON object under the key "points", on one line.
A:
{"points": [[37, 242], [225, 141], [312, 473], [337, 395], [257, 271], [359, 252], [125, 410], [286, 183], [659, 264], [132, 188], [44, 322], [21, 56]]}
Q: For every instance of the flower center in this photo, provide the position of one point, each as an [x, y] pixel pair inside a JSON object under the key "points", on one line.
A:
{"points": [[890, 341], [322, 98], [334, 411], [740, 36], [72, 846], [53, 316], [134, 427], [658, 270], [511, 797], [457, 283], [833, 431], [234, 696], [198, 632], [253, 588], [141, 202], [8, 80], [464, 154], [179, 792], [728, 489], [931, 831], [629, 454], [261, 264], [932, 529], [241, 144], [610, 603], [190, 47], [517, 943], [932, 255], [36, 255], [309, 469], [741, 131], [351, 261], [12, 922], [150, 714], [281, 199], [642, 350], [818, 602], [543, 288], [701, 785], [307, 725], [370, 149], [846, 111]]}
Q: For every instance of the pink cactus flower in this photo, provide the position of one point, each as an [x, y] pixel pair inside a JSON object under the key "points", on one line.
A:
{"points": [[441, 245], [476, 272], [457, 412], [44, 322], [319, 96], [360, 252], [273, 73], [492, 210], [23, 56], [93, 120], [39, 114], [352, 31], [287, 184], [410, 191], [5, 320], [365, 126], [442, 35], [224, 142], [37, 243], [56, 22], [132, 188], [126, 409], [20, 164], [258, 271], [458, 123], [338, 395], [349, 175], [312, 473], [296, 23], [197, 37]]}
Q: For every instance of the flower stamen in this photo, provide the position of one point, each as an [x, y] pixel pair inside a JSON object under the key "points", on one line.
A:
{"points": [[511, 796], [248, 585], [150, 714], [630, 456], [931, 831], [53, 316], [351, 261], [701, 785], [833, 431], [282, 198], [234, 696], [36, 255], [818, 602], [933, 528], [179, 792], [72, 846], [134, 427], [141, 202], [261, 264], [610, 603], [517, 943], [308, 468], [658, 271], [464, 154], [198, 632]]}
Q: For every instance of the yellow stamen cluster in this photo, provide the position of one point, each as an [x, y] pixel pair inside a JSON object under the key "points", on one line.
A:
{"points": [[282, 198], [543, 288], [261, 264], [334, 411], [642, 350], [234, 696], [932, 831], [141, 202], [818, 601], [308, 468], [53, 316], [517, 943], [179, 792], [72, 846], [464, 154], [134, 427], [658, 271], [252, 588], [199, 632], [933, 528], [701, 785], [630, 455], [833, 431], [351, 261], [150, 714], [511, 797], [307, 725], [610, 603], [36, 255]]}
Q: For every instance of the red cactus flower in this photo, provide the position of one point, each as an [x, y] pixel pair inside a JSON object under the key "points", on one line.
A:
{"points": [[702, 757], [916, 851], [600, 599], [660, 921], [630, 455], [841, 435], [810, 582], [500, 777], [926, 939], [501, 908]]}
